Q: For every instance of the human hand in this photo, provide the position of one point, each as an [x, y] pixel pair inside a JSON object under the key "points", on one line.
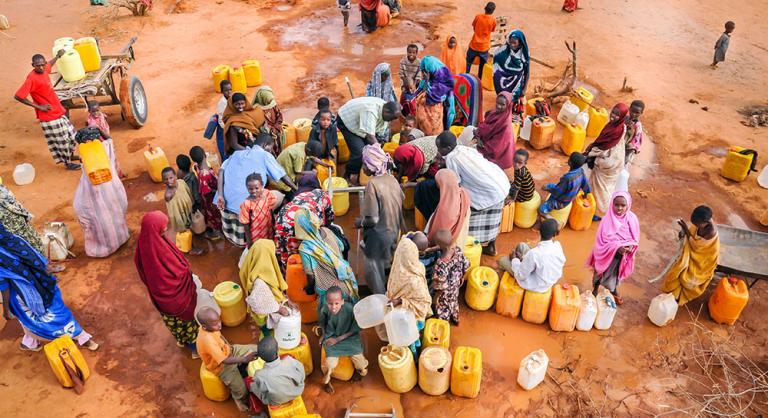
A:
{"points": [[220, 202], [44, 107], [249, 356], [60, 53], [283, 311], [330, 342]]}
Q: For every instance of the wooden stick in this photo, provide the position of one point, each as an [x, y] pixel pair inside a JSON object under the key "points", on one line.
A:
{"points": [[541, 62]]}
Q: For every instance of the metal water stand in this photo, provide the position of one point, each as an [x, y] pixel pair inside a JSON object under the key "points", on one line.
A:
{"points": [[350, 414]]}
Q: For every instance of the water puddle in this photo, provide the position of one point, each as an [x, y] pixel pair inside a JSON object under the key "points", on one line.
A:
{"points": [[283, 7], [645, 162], [736, 220], [399, 50]]}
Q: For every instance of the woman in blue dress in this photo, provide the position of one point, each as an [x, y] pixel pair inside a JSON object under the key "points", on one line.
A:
{"points": [[511, 67]]}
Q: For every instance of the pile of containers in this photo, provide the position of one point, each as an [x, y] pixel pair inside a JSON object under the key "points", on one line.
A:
{"points": [[248, 74]]}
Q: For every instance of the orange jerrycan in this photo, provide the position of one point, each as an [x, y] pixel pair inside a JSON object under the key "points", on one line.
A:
{"points": [[435, 370], [437, 332], [62, 353], [573, 139], [297, 280], [510, 298], [323, 173], [343, 371], [95, 162], [481, 288], [542, 133], [184, 241], [390, 147], [536, 306], [530, 106], [738, 163], [213, 388], [156, 162], [288, 409], [419, 220], [290, 135], [252, 69], [308, 311], [302, 353], [729, 299], [565, 307], [303, 129], [466, 372], [582, 211], [219, 74], [508, 217]]}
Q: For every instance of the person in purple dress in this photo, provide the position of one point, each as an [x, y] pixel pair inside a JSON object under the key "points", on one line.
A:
{"points": [[435, 109]]}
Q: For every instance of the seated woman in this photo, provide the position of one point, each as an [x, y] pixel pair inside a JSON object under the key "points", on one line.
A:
{"points": [[512, 68], [416, 158], [264, 285], [168, 277], [407, 286], [688, 274], [452, 211], [435, 109], [264, 99], [32, 295], [320, 252], [242, 122], [496, 135]]}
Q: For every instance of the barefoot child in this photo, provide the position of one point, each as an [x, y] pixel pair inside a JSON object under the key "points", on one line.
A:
{"points": [[96, 117], [524, 185], [178, 203], [344, 6], [325, 133], [256, 210], [341, 336], [185, 173], [634, 134], [409, 131], [207, 183], [222, 358], [721, 46], [410, 77], [448, 277]]}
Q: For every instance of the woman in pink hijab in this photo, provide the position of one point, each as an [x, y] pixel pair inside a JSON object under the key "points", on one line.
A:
{"points": [[618, 235]]}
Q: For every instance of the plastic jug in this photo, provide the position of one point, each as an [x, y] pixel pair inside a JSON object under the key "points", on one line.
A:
{"points": [[573, 139], [435, 370], [466, 372], [582, 98], [88, 49], [342, 151], [297, 280], [390, 147], [184, 241], [288, 409], [510, 298], [437, 332], [662, 309], [401, 327], [473, 251], [65, 43], [213, 388], [156, 162], [254, 366], [419, 220], [508, 218], [561, 215], [738, 163], [762, 179], [252, 69], [370, 311], [24, 174], [288, 330], [487, 81], [542, 133], [363, 179], [290, 135], [587, 312], [482, 286], [582, 212], [237, 78], [70, 66], [728, 300], [526, 213], [397, 367], [598, 118], [301, 352], [582, 119], [303, 128], [568, 113], [564, 310], [533, 369], [63, 350], [408, 203], [229, 297], [308, 311], [622, 182], [95, 162], [606, 309], [219, 74], [340, 200], [457, 130], [530, 106], [323, 173], [536, 306], [343, 371]]}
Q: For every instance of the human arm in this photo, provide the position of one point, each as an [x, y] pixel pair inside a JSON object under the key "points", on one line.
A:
{"points": [[232, 139], [221, 203], [288, 182], [247, 358], [53, 60], [6, 300], [43, 107], [330, 342]]}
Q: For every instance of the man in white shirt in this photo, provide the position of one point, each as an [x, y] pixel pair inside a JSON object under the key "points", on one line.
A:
{"points": [[216, 123], [486, 183], [542, 266]]}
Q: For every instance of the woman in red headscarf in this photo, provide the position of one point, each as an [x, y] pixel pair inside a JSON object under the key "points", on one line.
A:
{"points": [[605, 157], [167, 275], [496, 135], [416, 158]]}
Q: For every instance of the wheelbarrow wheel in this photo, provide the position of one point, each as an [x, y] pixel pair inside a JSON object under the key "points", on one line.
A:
{"points": [[133, 101]]}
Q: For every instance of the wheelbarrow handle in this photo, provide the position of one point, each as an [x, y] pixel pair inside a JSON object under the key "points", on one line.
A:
{"points": [[128, 45]]}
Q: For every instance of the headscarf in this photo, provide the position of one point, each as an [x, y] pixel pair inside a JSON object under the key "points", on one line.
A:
{"points": [[408, 280], [374, 88], [369, 5], [264, 98], [453, 206], [497, 135], [375, 159], [439, 87], [454, 59], [411, 159], [89, 133], [9, 202], [250, 118], [307, 183], [260, 263], [613, 233], [613, 130], [164, 270], [27, 272], [511, 69]]}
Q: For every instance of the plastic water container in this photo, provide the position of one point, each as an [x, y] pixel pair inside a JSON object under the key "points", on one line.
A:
{"points": [[466, 372], [487, 81], [237, 78], [65, 43], [342, 151], [582, 212], [536, 306], [390, 147], [582, 98], [574, 136], [419, 220], [526, 213], [95, 162], [184, 241], [63, 351], [437, 332], [568, 113], [598, 118], [508, 218], [297, 280], [290, 135], [70, 66], [24, 174], [473, 251], [219, 74], [587, 312], [482, 286], [302, 353], [662, 309], [510, 298], [323, 173], [457, 130], [530, 106], [561, 215], [564, 310], [542, 133], [303, 128], [254, 366], [252, 69], [401, 327], [435, 370], [340, 200], [364, 178], [370, 311], [343, 371], [290, 409], [525, 131], [762, 179], [229, 296], [408, 203], [533, 369], [308, 311], [89, 52], [213, 388], [582, 119], [397, 368], [606, 309], [622, 182], [728, 300], [288, 330], [156, 162], [738, 163]]}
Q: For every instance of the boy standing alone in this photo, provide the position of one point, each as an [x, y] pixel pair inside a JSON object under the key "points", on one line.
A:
{"points": [[483, 25], [721, 46]]}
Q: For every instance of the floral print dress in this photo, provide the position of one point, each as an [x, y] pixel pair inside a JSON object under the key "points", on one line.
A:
{"points": [[317, 202], [208, 184], [446, 281]]}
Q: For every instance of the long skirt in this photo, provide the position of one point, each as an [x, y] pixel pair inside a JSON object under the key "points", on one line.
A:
{"points": [[609, 279], [233, 230], [484, 224], [603, 177], [60, 136], [185, 332], [369, 19], [429, 118]]}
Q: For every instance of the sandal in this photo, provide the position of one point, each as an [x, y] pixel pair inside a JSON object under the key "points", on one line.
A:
{"points": [[56, 268], [25, 348], [91, 345], [72, 166]]}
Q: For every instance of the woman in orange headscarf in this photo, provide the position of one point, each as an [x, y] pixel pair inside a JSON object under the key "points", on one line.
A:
{"points": [[452, 55]]}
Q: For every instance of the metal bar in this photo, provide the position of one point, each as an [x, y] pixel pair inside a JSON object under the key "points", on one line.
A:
{"points": [[354, 189]]}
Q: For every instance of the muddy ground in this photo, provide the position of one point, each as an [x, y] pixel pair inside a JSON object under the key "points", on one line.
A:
{"points": [[663, 48]]}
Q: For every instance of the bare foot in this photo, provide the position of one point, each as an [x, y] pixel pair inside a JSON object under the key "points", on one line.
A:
{"points": [[241, 405], [328, 388], [196, 251], [619, 299], [55, 268], [356, 376]]}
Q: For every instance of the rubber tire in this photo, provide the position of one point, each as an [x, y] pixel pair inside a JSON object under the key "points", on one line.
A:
{"points": [[133, 101]]}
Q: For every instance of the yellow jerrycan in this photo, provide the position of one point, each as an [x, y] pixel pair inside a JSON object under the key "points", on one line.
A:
{"points": [[290, 135], [473, 251], [527, 212], [561, 215], [303, 128], [408, 203], [340, 201], [510, 298], [288, 410], [481, 288], [564, 311], [582, 98], [530, 106], [95, 162], [437, 332], [343, 371], [237, 78], [156, 162], [487, 81], [90, 56], [302, 353], [573, 139], [738, 163], [63, 351], [184, 241], [219, 74], [213, 388], [342, 153], [598, 118], [508, 218], [70, 66], [252, 69], [536, 306], [397, 367], [435, 370], [229, 297], [323, 173], [466, 372]]}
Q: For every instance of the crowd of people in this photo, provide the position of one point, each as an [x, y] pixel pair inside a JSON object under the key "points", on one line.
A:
{"points": [[268, 199]]}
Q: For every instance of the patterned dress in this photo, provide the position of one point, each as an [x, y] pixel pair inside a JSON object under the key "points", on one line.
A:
{"points": [[208, 182], [317, 202], [17, 219], [185, 332], [446, 279]]}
